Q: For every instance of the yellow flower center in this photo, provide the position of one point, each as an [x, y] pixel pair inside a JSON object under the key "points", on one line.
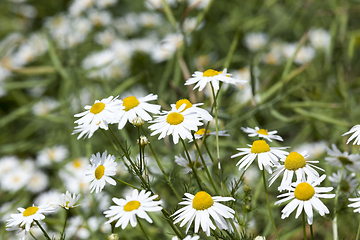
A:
{"points": [[260, 146], [99, 172], [344, 185], [175, 118], [201, 131], [345, 160], [294, 161], [210, 73], [262, 131], [181, 102], [202, 201], [304, 191], [30, 211], [97, 108], [77, 163], [131, 206], [130, 103]]}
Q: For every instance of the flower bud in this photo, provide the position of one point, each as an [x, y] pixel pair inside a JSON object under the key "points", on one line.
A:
{"points": [[143, 141], [113, 236], [137, 121]]}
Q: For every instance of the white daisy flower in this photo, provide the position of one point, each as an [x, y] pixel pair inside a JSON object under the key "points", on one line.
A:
{"points": [[306, 196], [262, 133], [67, 201], [355, 130], [38, 182], [133, 107], [188, 237], [212, 76], [338, 159], [205, 115], [255, 41], [133, 206], [100, 170], [200, 207], [267, 156], [184, 162], [320, 39], [348, 183], [14, 180], [100, 114], [178, 122], [314, 149], [201, 132], [8, 163], [356, 203], [52, 154], [295, 163], [28, 215]]}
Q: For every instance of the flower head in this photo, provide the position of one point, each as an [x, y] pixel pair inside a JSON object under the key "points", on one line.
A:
{"points": [[201, 133], [136, 205], [262, 133], [67, 201], [348, 182], [184, 162], [306, 196], [200, 208], [212, 76], [267, 156], [355, 130], [100, 170], [205, 115], [338, 159]]}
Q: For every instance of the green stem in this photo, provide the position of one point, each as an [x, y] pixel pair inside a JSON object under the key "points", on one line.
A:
{"points": [[303, 223], [208, 151], [334, 223], [312, 233], [32, 235], [142, 229], [358, 232], [128, 184], [63, 231], [191, 164], [140, 160], [268, 204], [43, 230], [204, 164]]}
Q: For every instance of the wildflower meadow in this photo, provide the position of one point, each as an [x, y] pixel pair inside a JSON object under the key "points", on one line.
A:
{"points": [[179, 119]]}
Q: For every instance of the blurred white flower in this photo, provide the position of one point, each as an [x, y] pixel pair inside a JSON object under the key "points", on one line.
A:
{"points": [[8, 163], [320, 39], [148, 19], [50, 197], [99, 18], [38, 182], [44, 106], [50, 155], [14, 180], [255, 41], [199, 4], [348, 182], [78, 6], [127, 25], [105, 37], [183, 161], [105, 3], [314, 149], [304, 55], [339, 159], [157, 4]]}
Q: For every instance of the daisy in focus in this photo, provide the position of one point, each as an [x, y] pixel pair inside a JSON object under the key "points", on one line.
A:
{"points": [[356, 203], [262, 133], [305, 196], [67, 201], [200, 208], [267, 156], [338, 159], [133, 107], [205, 115], [348, 182], [184, 162], [355, 130], [27, 216], [295, 163], [178, 122], [127, 210], [201, 133], [100, 114], [100, 171], [213, 77]]}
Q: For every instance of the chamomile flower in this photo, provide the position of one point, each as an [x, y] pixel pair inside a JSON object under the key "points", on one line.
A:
{"points": [[201, 133], [255, 41], [100, 171], [306, 196], [28, 215], [205, 115], [213, 77], [133, 107], [68, 201], [136, 205], [338, 159], [100, 114], [348, 183], [262, 133], [177, 122], [356, 203], [355, 130], [295, 163], [267, 156], [197, 163], [201, 207]]}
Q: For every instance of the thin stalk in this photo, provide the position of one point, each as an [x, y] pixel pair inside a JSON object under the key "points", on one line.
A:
{"points": [[268, 204], [217, 138], [204, 164], [32, 235], [191, 164], [312, 233], [43, 230], [303, 223], [142, 229], [208, 151], [334, 223], [63, 231], [128, 184], [358, 232], [140, 161]]}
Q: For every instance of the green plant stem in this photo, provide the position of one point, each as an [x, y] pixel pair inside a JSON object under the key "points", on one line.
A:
{"points": [[268, 204], [63, 231], [191, 164], [43, 230], [208, 151], [303, 223], [32, 235], [139, 143], [128, 184], [358, 232], [334, 223], [312, 233], [162, 169], [204, 164], [142, 229]]}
